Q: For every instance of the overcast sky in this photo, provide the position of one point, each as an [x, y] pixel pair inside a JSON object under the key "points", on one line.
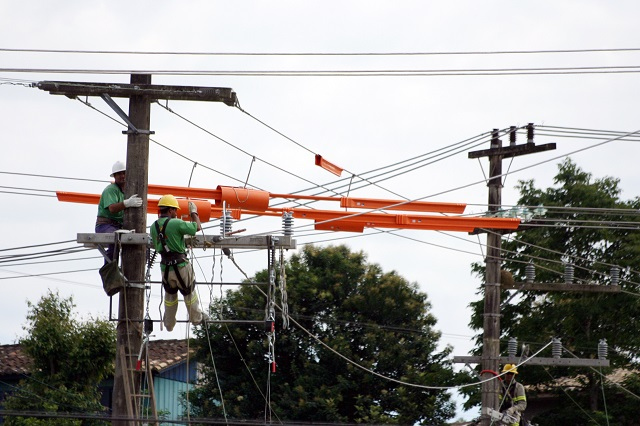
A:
{"points": [[361, 123]]}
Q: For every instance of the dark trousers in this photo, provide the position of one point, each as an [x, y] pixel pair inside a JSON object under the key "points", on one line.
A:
{"points": [[105, 228]]}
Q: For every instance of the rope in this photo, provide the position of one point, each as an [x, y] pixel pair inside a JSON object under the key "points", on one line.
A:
{"points": [[604, 399]]}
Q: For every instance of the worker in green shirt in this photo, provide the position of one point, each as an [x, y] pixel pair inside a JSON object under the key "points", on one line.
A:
{"points": [[112, 204]]}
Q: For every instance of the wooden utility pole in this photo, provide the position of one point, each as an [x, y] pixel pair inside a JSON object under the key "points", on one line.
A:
{"points": [[491, 320], [131, 306], [141, 94]]}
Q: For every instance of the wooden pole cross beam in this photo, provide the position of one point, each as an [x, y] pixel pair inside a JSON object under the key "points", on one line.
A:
{"points": [[151, 91], [588, 288], [198, 241], [513, 151], [564, 362]]}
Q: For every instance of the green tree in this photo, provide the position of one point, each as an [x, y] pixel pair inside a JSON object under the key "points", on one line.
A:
{"points": [[69, 359], [377, 319], [590, 227]]}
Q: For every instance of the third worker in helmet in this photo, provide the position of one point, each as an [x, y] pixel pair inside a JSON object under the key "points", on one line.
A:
{"points": [[513, 400], [168, 234]]}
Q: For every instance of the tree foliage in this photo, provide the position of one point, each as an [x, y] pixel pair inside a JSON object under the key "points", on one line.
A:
{"points": [[69, 359], [590, 227], [358, 312]]}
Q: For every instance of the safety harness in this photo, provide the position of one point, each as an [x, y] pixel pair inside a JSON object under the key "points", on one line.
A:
{"points": [[171, 259]]}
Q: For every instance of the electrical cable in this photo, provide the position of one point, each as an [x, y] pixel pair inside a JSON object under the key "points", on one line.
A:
{"points": [[360, 176], [317, 339], [546, 369], [437, 53], [477, 72], [239, 149], [473, 183], [38, 245], [46, 274]]}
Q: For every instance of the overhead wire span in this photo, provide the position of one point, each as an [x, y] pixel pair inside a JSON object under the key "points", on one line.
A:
{"points": [[558, 131], [254, 157], [574, 151], [546, 369], [471, 72], [414, 53], [477, 182], [43, 262], [46, 274], [359, 175], [39, 245], [352, 362]]}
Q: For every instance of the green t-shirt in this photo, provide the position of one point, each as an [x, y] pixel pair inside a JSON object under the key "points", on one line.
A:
{"points": [[174, 234], [111, 194]]}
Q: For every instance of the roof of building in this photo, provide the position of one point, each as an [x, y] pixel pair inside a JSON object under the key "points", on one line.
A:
{"points": [[13, 360], [163, 354], [616, 376]]}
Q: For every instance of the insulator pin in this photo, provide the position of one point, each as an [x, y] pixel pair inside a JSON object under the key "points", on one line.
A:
{"points": [[226, 223], [615, 275], [530, 272], [556, 348], [512, 347], [512, 136], [603, 349], [568, 273], [287, 223]]}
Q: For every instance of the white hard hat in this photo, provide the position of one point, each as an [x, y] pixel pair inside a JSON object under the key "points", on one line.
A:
{"points": [[118, 166]]}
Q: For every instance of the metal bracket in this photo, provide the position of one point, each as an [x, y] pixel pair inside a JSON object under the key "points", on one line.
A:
{"points": [[132, 129], [103, 252]]}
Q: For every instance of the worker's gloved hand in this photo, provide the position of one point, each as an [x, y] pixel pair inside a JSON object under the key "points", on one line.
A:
{"points": [[510, 411], [192, 207], [133, 201]]}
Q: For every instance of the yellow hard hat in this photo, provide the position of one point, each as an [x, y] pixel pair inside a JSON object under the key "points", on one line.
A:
{"points": [[168, 201], [510, 368]]}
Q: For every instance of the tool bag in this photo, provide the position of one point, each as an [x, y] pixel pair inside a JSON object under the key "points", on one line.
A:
{"points": [[112, 278]]}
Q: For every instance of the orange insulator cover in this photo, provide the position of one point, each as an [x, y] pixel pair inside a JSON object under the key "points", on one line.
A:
{"points": [[204, 209], [242, 198]]}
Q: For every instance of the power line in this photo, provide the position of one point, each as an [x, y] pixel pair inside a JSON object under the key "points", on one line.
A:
{"points": [[54, 177], [39, 245], [46, 274], [617, 69], [192, 53]]}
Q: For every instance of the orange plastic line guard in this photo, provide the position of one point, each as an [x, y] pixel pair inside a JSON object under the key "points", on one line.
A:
{"points": [[328, 165], [204, 207], [226, 193], [348, 219], [466, 224], [346, 226]]}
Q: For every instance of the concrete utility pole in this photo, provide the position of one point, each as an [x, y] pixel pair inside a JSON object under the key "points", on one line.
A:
{"points": [[141, 94], [491, 321]]}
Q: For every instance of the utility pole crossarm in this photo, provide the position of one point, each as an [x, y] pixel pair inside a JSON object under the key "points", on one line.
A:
{"points": [[512, 151], [151, 91], [586, 288], [556, 362]]}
